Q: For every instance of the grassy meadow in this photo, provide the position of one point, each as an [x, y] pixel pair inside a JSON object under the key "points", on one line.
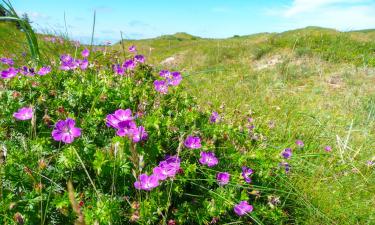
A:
{"points": [[313, 84]]}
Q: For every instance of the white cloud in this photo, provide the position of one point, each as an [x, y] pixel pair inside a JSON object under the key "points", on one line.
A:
{"points": [[302, 6], [338, 14]]}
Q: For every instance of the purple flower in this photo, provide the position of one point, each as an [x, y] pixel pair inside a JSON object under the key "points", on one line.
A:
{"points": [[9, 73], [44, 70], [66, 131], [287, 153], [175, 79], [132, 49], [139, 58], [85, 53], [223, 178], [119, 119], [129, 64], [7, 61], [246, 172], [161, 86], [286, 166], [146, 182], [138, 134], [165, 74], [370, 163], [327, 148], [68, 63], [24, 113], [167, 168], [300, 143], [209, 159], [214, 117], [243, 208], [193, 142], [127, 129], [118, 69], [83, 64]]}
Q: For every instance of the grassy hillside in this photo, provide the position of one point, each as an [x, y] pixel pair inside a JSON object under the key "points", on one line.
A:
{"points": [[312, 84]]}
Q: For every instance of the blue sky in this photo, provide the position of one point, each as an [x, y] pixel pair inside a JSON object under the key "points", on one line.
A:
{"points": [[205, 18]]}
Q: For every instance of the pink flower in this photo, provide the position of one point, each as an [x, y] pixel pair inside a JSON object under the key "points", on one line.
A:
{"points": [[243, 208], [24, 113]]}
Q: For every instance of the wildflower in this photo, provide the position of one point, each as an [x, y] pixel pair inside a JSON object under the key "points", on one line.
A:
{"points": [[44, 70], [300, 143], [132, 49], [214, 117], [85, 53], [139, 58], [223, 178], [175, 79], [193, 142], [243, 208], [9, 73], [129, 64], [273, 201], [287, 153], [7, 61], [370, 163], [66, 131], [327, 148], [68, 63], [209, 159], [161, 86], [146, 182], [24, 113], [138, 134], [285, 165], [246, 172], [167, 168], [83, 64], [121, 117], [165, 74], [118, 69]]}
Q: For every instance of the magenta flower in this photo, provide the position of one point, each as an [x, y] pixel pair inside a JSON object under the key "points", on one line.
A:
{"points": [[138, 134], [127, 128], [223, 178], [214, 117], [132, 49], [209, 159], [165, 74], [175, 79], [139, 59], [7, 61], [300, 143], [85, 53], [246, 173], [287, 153], [146, 182], [44, 70], [66, 131], [68, 63], [119, 119], [83, 64], [243, 208], [193, 142], [118, 69], [129, 64], [24, 113], [167, 168], [9, 73], [328, 148], [161, 86]]}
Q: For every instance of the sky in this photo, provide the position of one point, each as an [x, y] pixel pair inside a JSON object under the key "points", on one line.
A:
{"points": [[139, 19]]}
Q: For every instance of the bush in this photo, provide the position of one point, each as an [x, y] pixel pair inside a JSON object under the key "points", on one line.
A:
{"points": [[103, 170]]}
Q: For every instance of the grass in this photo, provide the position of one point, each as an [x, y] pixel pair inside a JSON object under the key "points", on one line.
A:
{"points": [[314, 84]]}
